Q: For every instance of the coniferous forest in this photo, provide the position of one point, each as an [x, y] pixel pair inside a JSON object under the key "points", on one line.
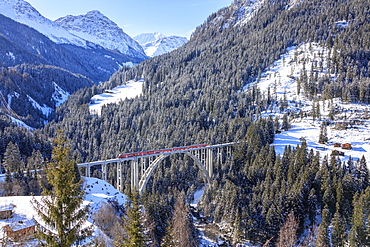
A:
{"points": [[194, 95]]}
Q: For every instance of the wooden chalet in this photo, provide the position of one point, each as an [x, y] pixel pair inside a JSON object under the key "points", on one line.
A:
{"points": [[20, 231], [6, 212], [337, 145], [347, 146]]}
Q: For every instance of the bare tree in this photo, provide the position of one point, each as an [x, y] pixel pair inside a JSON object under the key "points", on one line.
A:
{"points": [[288, 232], [182, 226]]}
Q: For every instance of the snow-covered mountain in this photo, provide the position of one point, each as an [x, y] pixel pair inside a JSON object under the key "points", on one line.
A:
{"points": [[27, 37], [23, 12], [145, 38], [79, 30], [99, 29], [156, 44]]}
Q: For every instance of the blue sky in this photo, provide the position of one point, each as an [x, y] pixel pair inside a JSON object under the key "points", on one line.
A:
{"points": [[170, 17]]}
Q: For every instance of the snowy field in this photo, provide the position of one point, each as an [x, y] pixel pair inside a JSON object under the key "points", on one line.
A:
{"points": [[97, 191], [130, 90]]}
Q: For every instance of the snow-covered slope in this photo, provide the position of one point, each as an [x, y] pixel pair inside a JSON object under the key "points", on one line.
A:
{"points": [[281, 80], [97, 28], [156, 44], [23, 12], [130, 90], [239, 13]]}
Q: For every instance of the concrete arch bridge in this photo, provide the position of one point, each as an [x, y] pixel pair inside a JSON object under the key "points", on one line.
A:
{"points": [[144, 163]]}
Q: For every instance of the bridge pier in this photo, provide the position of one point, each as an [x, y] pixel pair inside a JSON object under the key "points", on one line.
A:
{"points": [[119, 177], [219, 156], [87, 171], [135, 174], [209, 162], [104, 171], [229, 153]]}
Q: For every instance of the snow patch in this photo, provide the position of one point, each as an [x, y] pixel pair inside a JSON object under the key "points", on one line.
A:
{"points": [[20, 123], [11, 55], [197, 197], [342, 24], [128, 64], [59, 96], [46, 111], [130, 90]]}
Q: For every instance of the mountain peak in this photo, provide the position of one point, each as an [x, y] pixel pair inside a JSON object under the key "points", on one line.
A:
{"points": [[145, 38], [23, 12], [99, 29], [156, 44], [19, 9], [96, 13]]}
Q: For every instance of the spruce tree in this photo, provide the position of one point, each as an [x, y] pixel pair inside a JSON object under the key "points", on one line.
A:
{"points": [[168, 240], [338, 232], [12, 158], [134, 228], [323, 239], [285, 125], [60, 208], [323, 137], [359, 235]]}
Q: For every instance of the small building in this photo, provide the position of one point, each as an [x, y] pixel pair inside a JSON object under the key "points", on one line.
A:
{"points": [[337, 152], [337, 145], [347, 146], [6, 212], [20, 231]]}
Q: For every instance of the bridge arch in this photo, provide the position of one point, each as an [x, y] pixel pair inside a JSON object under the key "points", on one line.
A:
{"points": [[149, 171]]}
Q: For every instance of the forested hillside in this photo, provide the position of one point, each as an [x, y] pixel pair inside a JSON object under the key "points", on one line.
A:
{"points": [[194, 95]]}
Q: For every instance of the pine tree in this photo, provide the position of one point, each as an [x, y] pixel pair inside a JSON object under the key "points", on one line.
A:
{"points": [[313, 111], [323, 233], [338, 231], [12, 158], [134, 228], [323, 137], [358, 235], [285, 124], [318, 112], [362, 173], [168, 240], [60, 207]]}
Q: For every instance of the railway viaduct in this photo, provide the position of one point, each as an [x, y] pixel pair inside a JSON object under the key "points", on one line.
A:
{"points": [[144, 163]]}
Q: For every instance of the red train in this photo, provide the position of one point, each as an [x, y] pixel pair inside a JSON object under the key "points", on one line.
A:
{"points": [[128, 155]]}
